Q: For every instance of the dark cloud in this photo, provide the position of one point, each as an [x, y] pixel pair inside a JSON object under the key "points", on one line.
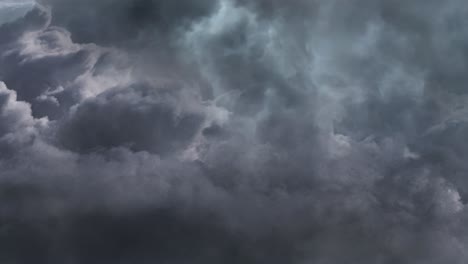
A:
{"points": [[124, 21], [55, 67], [234, 131], [140, 117]]}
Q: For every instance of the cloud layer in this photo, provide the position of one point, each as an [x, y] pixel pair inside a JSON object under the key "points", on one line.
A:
{"points": [[234, 131]]}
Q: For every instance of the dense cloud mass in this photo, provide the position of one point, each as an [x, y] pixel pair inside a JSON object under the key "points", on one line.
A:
{"points": [[233, 131]]}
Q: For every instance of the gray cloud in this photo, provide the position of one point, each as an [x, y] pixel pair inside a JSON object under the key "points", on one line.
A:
{"points": [[140, 116], [124, 21], [234, 131]]}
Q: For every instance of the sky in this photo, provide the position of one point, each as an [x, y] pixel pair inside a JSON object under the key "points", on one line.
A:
{"points": [[233, 131]]}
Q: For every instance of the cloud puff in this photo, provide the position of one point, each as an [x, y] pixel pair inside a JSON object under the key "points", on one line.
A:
{"points": [[141, 117]]}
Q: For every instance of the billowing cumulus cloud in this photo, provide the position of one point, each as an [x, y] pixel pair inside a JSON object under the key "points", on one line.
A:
{"points": [[233, 131]]}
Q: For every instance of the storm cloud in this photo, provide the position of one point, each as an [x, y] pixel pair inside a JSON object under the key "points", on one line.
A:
{"points": [[233, 131]]}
